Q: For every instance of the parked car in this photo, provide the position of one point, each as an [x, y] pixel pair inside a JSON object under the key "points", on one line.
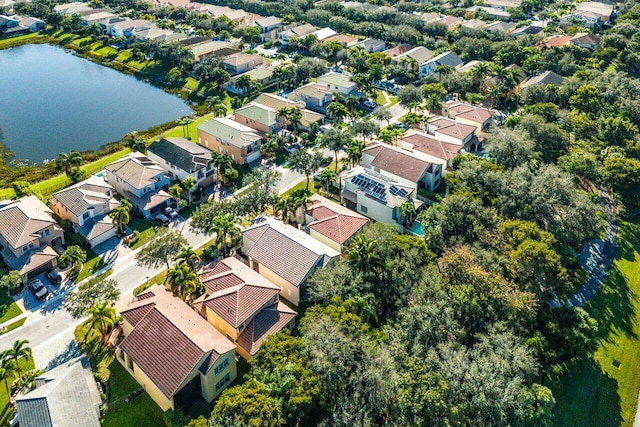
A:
{"points": [[162, 219], [170, 212], [54, 276], [289, 148], [38, 288], [369, 104]]}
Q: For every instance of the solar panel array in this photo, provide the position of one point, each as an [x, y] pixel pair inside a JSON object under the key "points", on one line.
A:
{"points": [[371, 187], [398, 191]]}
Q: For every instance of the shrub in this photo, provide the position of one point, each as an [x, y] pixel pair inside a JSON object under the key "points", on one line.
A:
{"points": [[12, 282]]}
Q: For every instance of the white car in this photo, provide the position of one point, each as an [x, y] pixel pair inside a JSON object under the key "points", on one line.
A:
{"points": [[170, 212]]}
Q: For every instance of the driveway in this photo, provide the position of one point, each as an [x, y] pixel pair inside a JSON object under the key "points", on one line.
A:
{"points": [[111, 250]]}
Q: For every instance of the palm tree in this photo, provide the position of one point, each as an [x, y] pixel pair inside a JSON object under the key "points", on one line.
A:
{"points": [[295, 118], [222, 162], [282, 206], [18, 350], [298, 203], [188, 183], [444, 70], [103, 317], [337, 111], [66, 161], [137, 143], [407, 213], [268, 149], [334, 140], [182, 280], [185, 122], [352, 103], [226, 232], [361, 256], [354, 153], [220, 109], [283, 114], [327, 176], [121, 215], [433, 104], [480, 71], [7, 372], [189, 256]]}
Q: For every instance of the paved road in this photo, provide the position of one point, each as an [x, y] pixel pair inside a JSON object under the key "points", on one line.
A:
{"points": [[603, 260], [50, 329]]}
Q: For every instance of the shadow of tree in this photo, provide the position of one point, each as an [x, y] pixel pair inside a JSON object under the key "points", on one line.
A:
{"points": [[614, 306], [594, 400], [67, 354]]}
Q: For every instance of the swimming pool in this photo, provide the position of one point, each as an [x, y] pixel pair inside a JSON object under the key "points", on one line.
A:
{"points": [[417, 228]]}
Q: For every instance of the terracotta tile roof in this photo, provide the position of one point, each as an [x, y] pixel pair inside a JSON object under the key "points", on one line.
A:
{"points": [[135, 313], [268, 322], [555, 41], [477, 115], [424, 143], [220, 283], [171, 340], [238, 304], [320, 212], [339, 228], [400, 164], [453, 129]]}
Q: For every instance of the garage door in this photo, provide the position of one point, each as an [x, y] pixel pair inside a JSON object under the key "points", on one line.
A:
{"points": [[40, 270]]}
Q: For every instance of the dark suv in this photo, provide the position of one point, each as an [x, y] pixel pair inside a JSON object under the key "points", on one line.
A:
{"points": [[54, 276], [38, 288]]}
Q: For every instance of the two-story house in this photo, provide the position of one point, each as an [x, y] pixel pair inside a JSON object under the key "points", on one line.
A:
{"points": [[453, 132], [375, 195], [410, 168], [269, 27], [276, 102], [448, 59], [331, 223], [315, 96], [261, 75], [182, 158], [28, 233], [227, 136], [338, 82], [142, 181], [416, 140], [239, 63], [241, 304], [284, 255], [468, 114], [259, 117], [172, 352], [86, 204]]}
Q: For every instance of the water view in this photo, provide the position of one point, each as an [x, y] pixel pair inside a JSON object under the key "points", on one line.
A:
{"points": [[53, 101]]}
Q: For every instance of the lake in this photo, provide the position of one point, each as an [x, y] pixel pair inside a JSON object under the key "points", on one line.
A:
{"points": [[53, 101]]}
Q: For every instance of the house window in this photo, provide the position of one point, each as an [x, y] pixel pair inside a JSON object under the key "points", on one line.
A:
{"points": [[225, 380], [45, 233], [363, 209], [129, 362], [221, 366]]}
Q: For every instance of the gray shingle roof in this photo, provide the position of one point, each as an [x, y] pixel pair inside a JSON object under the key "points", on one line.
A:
{"points": [[22, 219], [79, 197], [182, 153], [66, 397]]}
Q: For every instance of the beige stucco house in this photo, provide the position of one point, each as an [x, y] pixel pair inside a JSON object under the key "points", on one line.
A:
{"points": [[285, 255], [241, 304], [28, 233], [175, 355], [86, 204], [227, 136], [331, 223]]}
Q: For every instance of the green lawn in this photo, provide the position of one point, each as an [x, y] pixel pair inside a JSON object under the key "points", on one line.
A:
{"points": [[301, 186], [25, 365], [146, 229], [178, 131], [594, 392], [94, 263], [141, 411], [8, 308]]}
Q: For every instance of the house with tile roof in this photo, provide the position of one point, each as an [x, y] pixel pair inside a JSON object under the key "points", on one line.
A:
{"points": [[285, 255], [181, 158], [500, 27], [173, 353], [239, 63], [259, 117], [453, 132], [413, 58], [465, 113], [331, 223], [28, 234], [338, 82], [277, 102], [586, 40], [86, 204], [546, 78], [65, 396], [261, 75], [142, 181], [375, 195], [315, 96], [411, 169], [450, 59], [591, 14], [241, 304], [224, 135], [417, 140], [372, 45], [299, 32]]}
